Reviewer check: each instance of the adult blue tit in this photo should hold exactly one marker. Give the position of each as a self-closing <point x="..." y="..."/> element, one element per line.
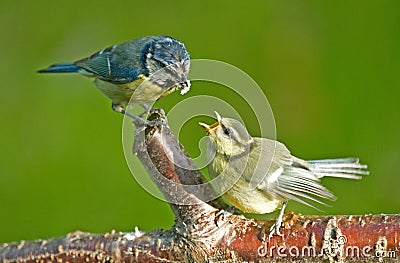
<point x="138" y="71"/>
<point x="260" y="175"/>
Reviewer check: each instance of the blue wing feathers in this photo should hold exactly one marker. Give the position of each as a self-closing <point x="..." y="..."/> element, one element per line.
<point x="68" y="67"/>
<point x="114" y="64"/>
<point x="117" y="64"/>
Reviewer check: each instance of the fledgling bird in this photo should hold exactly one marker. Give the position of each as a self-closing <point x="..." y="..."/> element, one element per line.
<point x="138" y="71"/>
<point x="260" y="175"/>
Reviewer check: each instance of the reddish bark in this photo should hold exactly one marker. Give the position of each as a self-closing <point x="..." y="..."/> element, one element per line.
<point x="205" y="233"/>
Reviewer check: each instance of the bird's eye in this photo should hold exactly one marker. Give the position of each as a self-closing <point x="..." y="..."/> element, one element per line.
<point x="226" y="131"/>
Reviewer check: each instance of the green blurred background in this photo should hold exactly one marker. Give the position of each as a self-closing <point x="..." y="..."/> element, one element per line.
<point x="330" y="70"/>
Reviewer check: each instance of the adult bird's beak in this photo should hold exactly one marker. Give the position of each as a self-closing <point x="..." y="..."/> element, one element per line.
<point x="185" y="86"/>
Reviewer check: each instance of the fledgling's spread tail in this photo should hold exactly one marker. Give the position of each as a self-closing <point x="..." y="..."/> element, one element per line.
<point x="344" y="168"/>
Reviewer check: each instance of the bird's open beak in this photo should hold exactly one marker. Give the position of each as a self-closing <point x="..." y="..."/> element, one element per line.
<point x="212" y="127"/>
<point x="219" y="118"/>
<point x="209" y="128"/>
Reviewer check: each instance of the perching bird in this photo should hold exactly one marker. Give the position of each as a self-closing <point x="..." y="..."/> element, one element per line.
<point x="138" y="71"/>
<point x="260" y="175"/>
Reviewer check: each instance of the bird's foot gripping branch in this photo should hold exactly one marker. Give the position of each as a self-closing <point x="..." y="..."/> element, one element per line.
<point x="205" y="232"/>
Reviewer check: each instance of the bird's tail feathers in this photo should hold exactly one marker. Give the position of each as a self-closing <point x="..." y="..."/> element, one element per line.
<point x="304" y="186"/>
<point x="68" y="67"/>
<point x="344" y="168"/>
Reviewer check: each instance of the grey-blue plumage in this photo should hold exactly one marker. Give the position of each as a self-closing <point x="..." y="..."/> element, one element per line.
<point x="138" y="71"/>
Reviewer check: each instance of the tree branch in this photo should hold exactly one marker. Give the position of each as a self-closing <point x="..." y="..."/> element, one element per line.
<point x="204" y="232"/>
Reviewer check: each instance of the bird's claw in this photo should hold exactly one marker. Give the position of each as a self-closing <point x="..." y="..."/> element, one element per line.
<point x="157" y="110"/>
<point x="274" y="230"/>
<point x="138" y="120"/>
<point x="142" y="123"/>
<point x="150" y="110"/>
